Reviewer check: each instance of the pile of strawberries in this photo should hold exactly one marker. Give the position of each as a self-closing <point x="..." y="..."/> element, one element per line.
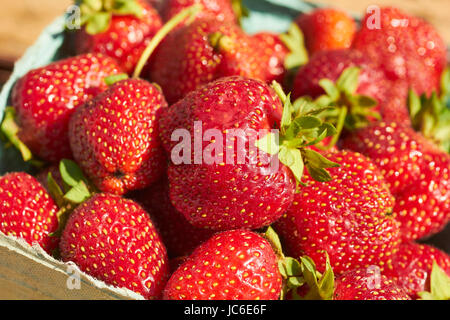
<point x="362" y="154"/>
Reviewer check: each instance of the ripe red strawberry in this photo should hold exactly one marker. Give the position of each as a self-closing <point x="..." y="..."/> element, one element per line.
<point x="274" y="51"/>
<point x="115" y="137"/>
<point x="327" y="29"/>
<point x="179" y="236"/>
<point x="27" y="211"/>
<point x="45" y="98"/>
<point x="114" y="240"/>
<point x="371" y="82"/>
<point x="417" y="173"/>
<point x="412" y="265"/>
<point x="233" y="265"/>
<point x="225" y="195"/>
<point x="198" y="53"/>
<point x="347" y="217"/>
<point x="406" y="48"/>
<point x="221" y="10"/>
<point x="130" y="25"/>
<point x="367" y="284"/>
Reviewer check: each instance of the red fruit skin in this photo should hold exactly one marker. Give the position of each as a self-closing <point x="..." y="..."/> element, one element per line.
<point x="372" y="82"/>
<point x="273" y="52"/>
<point x="27" y="211"/>
<point x="412" y="265"/>
<point x="179" y="236"/>
<point x="233" y="265"/>
<point x="45" y="98"/>
<point x="114" y="240"/>
<point x="223" y="195"/>
<point x="366" y="284"/>
<point x="221" y="10"/>
<point x="327" y="29"/>
<point x="125" y="39"/>
<point x="115" y="137"/>
<point x="406" y="48"/>
<point x="186" y="60"/>
<point x="416" y="171"/>
<point x="346" y="217"/>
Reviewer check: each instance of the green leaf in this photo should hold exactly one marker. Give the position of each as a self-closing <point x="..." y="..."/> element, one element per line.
<point x="348" y="80"/>
<point x="292" y="158"/>
<point x="439" y="285"/>
<point x="78" y="194"/>
<point x="239" y="9"/>
<point x="321" y="287"/>
<point x="274" y="240"/>
<point x="115" y="78"/>
<point x="294" y="41"/>
<point x="269" y="143"/>
<point x="10" y="130"/>
<point x="363" y="101"/>
<point x="71" y="173"/>
<point x="315" y="159"/>
<point x="55" y="191"/>
<point x="330" y="88"/>
<point x="286" y="117"/>
<point x="98" y="23"/>
<point x="128" y="7"/>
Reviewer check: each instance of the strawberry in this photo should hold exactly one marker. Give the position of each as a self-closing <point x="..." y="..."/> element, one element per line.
<point x="233" y="265"/>
<point x="45" y="98"/>
<point x="405" y="48"/>
<point x="412" y="266"/>
<point x="345" y="91"/>
<point x="120" y="29"/>
<point x="416" y="171"/>
<point x="281" y="54"/>
<point x="367" y="284"/>
<point x="274" y="51"/>
<point x="115" y="137"/>
<point x="348" y="217"/>
<point x="201" y="52"/>
<point x="221" y="10"/>
<point x="326" y="29"/>
<point x="179" y="236"/>
<point x="27" y="211"/>
<point x="114" y="240"/>
<point x="243" y="189"/>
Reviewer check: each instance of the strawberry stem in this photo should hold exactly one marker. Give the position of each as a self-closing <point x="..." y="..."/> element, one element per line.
<point x="189" y="13"/>
<point x="339" y="127"/>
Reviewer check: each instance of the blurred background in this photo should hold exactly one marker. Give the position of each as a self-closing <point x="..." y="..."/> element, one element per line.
<point x="21" y="21"/>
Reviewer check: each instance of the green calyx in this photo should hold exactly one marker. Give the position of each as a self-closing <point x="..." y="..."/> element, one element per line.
<point x="300" y="128"/>
<point x="294" y="41"/>
<point x="9" y="130"/>
<point x="75" y="190"/>
<point x="96" y="15"/>
<point x="350" y="109"/>
<point x="220" y="42"/>
<point x="239" y="10"/>
<point x="188" y="14"/>
<point x="298" y="273"/>
<point x="431" y="115"/>
<point x="439" y="285"/>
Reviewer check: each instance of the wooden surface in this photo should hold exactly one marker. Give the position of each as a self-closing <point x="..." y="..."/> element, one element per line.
<point x="21" y="21"/>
